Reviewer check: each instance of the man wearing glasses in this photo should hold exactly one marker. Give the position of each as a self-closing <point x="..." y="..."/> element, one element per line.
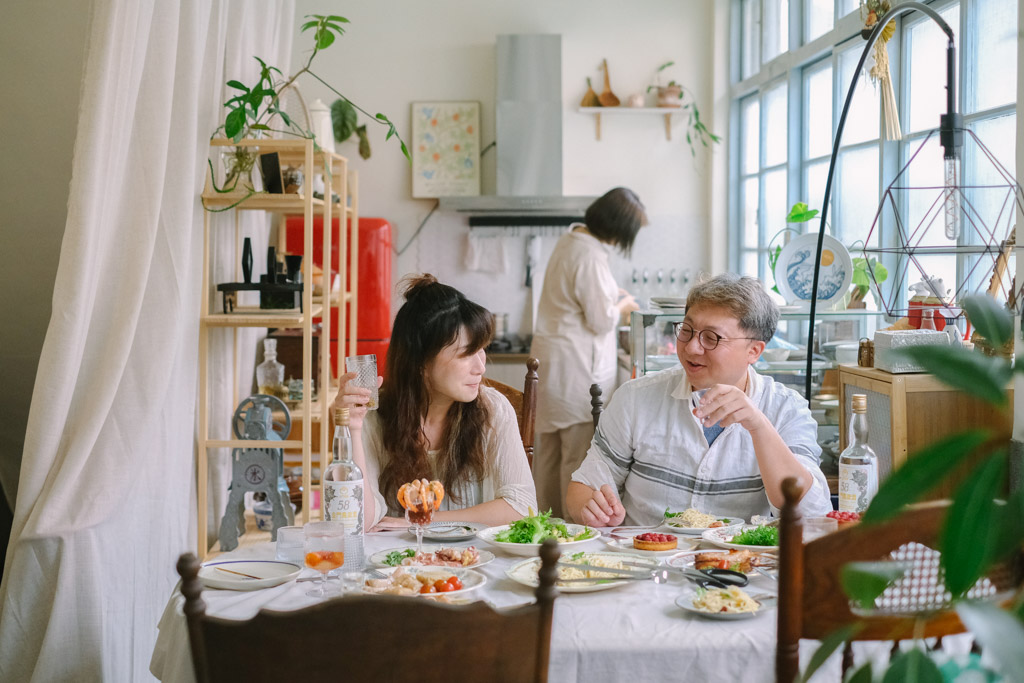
<point x="713" y="434"/>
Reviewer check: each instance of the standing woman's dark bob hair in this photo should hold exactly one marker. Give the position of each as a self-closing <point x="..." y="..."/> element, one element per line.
<point x="616" y="218"/>
<point x="431" y="318"/>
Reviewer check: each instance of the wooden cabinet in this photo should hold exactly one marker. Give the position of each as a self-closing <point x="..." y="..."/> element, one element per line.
<point x="907" y="412"/>
<point x="341" y="183"/>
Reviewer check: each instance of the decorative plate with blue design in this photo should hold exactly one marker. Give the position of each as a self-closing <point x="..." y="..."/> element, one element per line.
<point x="794" y="271"/>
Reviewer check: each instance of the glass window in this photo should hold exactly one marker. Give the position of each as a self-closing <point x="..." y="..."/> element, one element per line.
<point x="751" y="135"/>
<point x="865" y="111"/>
<point x="775" y="33"/>
<point x="926" y="45"/>
<point x="818" y="95"/>
<point x="751" y="46"/>
<point x="751" y="238"/>
<point x="775" y="125"/>
<point x="857" y="190"/>
<point x="775" y="207"/>
<point x="993" y="70"/>
<point x="815" y="175"/>
<point x="818" y="15"/>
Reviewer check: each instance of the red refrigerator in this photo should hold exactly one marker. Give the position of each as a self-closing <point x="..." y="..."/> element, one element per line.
<point x="374" y="324"/>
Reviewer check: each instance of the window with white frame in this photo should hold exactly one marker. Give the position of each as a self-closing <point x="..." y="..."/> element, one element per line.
<point x="800" y="56"/>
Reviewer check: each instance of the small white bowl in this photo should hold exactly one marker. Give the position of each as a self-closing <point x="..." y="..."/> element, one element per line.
<point x="775" y="355"/>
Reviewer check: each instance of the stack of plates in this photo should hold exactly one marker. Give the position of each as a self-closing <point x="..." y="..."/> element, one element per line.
<point x="669" y="302"/>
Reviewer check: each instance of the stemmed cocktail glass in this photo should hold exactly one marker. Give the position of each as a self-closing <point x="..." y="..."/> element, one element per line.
<point x="324" y="551"/>
<point x="420" y="499"/>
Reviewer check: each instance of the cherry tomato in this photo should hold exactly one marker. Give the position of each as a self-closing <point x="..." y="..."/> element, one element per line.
<point x="455" y="583"/>
<point x="427" y="588"/>
<point x="445" y="587"/>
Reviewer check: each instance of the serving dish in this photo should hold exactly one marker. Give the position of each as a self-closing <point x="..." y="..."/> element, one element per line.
<point x="723" y="539"/>
<point x="530" y="549"/>
<point x="764" y="600"/>
<point x="525" y="572"/>
<point x="471" y="580"/>
<point x="269" y="572"/>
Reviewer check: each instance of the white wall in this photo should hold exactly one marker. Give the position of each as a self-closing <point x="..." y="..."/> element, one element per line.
<point x="398" y="52"/>
<point x="42" y="48"/>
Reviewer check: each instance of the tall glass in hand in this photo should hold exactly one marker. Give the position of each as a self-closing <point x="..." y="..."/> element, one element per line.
<point x="324" y="551"/>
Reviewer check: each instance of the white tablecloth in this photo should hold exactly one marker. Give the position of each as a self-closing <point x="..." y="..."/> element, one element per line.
<point x="633" y="631"/>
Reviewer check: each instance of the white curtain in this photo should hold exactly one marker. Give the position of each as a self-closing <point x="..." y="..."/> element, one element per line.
<point x="106" y="498"/>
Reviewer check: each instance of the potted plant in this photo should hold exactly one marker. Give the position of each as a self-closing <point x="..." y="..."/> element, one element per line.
<point x="253" y="111"/>
<point x="863" y="270"/>
<point x="673" y="95"/>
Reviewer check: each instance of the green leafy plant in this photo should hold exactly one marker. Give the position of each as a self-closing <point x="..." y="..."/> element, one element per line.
<point x="696" y="130"/>
<point x="798" y="213"/>
<point x="346" y="122"/>
<point x="863" y="269"/>
<point x="982" y="527"/>
<point x="252" y="110"/>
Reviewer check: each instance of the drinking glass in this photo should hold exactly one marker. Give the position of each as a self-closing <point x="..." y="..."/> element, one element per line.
<point x="324" y="551"/>
<point x="365" y="367"/>
<point x="290" y="541"/>
<point x="816" y="527"/>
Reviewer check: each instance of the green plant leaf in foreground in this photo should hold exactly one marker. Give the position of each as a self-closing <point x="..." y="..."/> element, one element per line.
<point x="862" y="675"/>
<point x="829" y="645"/>
<point x="999" y="633"/>
<point x="971" y="533"/>
<point x="865" y="581"/>
<point x="343" y="116"/>
<point x="922" y="472"/>
<point x="800" y="213"/>
<point x="990" y="319"/>
<point x="970" y="372"/>
<point x="913" y="666"/>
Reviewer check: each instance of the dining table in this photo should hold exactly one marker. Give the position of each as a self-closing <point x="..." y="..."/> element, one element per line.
<point x="634" y="629"/>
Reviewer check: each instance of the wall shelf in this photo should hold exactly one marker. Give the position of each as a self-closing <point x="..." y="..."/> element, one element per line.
<point x="665" y="112"/>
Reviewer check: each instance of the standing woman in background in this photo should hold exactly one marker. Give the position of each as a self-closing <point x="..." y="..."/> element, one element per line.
<point x="575" y="337"/>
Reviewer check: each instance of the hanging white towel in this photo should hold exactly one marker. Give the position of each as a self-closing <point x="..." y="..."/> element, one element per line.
<point x="486" y="254"/>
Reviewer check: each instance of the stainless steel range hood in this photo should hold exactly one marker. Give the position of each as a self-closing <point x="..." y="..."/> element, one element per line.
<point x="528" y="118"/>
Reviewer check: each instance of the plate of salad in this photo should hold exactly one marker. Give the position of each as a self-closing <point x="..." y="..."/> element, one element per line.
<point x="763" y="539"/>
<point x="524" y="536"/>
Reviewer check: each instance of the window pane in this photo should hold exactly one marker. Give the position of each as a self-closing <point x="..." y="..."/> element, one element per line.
<point x="989" y="213"/>
<point x="858" y="195"/>
<point x="926" y="47"/>
<point x="775" y="206"/>
<point x="751" y="47"/>
<point x="818" y="95"/>
<point x="750" y="201"/>
<point x="775" y="125"/>
<point x="751" y="134"/>
<point x="847" y="6"/>
<point x="815" y="175"/>
<point x="934" y="265"/>
<point x="862" y="119"/>
<point x="923" y="223"/>
<point x="775" y="34"/>
<point x="993" y="66"/>
<point x="819" y="18"/>
<point x="748" y="265"/>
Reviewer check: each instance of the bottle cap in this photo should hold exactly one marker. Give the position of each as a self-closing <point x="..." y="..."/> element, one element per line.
<point x="269" y="347"/>
<point x="341" y="416"/>
<point x="860" y="403"/>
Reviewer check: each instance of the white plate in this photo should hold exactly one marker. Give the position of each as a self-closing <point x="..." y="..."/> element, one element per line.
<point x="794" y="271"/>
<point x="531" y="549"/>
<point x="271" y="573"/>
<point x="766" y="602"/>
<point x="462" y="531"/>
<point x="471" y="580"/>
<point x="377" y="559"/>
<point x="685" y="559"/>
<point x="525" y="572"/>
<point x="722" y="538"/>
<point x="625" y="545"/>
<point x="697" y="531"/>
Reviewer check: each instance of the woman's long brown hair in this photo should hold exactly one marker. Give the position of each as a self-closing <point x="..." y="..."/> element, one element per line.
<point x="431" y="318"/>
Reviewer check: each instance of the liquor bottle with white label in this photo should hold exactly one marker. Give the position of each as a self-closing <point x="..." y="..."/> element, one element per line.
<point x="858" y="464"/>
<point x="343" y="492"/>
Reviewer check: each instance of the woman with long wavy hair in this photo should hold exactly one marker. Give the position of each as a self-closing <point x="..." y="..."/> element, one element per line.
<point x="436" y="419"/>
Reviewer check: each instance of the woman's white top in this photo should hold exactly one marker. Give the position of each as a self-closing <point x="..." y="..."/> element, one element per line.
<point x="507" y="470"/>
<point x="574" y="337"/>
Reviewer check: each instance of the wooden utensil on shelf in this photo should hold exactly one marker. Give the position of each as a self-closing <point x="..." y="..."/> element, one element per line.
<point x="607" y="98"/>
<point x="590" y="97"/>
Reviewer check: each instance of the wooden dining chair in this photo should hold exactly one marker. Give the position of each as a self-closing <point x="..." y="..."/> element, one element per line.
<point x="596" y="404"/>
<point x="812" y="603"/>
<point x="374" y="638"/>
<point x="525" y="404"/>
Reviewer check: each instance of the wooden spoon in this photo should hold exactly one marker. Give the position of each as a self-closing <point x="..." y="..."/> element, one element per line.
<point x="607" y="97"/>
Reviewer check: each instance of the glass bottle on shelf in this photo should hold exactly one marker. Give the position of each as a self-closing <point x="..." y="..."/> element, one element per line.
<point x="343" y="492"/>
<point x="270" y="373"/>
<point x="927" y="319"/>
<point x="858" y="464"/>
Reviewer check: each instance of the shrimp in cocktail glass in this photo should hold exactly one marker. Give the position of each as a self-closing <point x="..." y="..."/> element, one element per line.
<point x="420" y="499"/>
<point x="324" y="551"/>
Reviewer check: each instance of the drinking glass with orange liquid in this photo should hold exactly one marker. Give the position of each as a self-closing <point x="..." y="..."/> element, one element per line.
<point x="324" y="550"/>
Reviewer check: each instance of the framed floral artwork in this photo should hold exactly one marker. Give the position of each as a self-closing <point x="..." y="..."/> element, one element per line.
<point x="445" y="149"/>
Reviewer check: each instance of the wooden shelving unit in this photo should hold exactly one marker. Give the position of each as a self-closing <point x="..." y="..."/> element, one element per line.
<point x="665" y="112"/>
<point x="340" y="181"/>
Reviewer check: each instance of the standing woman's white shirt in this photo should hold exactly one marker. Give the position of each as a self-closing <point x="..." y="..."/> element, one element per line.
<point x="575" y="340"/>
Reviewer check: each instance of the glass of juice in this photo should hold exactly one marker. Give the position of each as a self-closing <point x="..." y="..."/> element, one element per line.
<point x="324" y="551"/>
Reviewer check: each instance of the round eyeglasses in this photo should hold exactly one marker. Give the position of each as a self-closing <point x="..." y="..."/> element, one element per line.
<point x="707" y="338"/>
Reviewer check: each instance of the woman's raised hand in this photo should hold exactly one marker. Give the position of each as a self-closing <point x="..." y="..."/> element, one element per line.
<point x="354" y="398"/>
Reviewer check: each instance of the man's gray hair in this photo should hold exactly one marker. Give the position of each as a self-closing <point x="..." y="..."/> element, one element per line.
<point x="744" y="297"/>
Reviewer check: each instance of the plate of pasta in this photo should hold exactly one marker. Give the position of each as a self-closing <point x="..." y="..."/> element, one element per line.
<point x="525" y="572"/>
<point x="725" y="604"/>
